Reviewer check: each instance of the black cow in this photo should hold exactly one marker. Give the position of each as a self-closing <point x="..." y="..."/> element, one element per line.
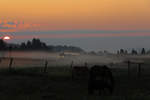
<point x="100" y="79"/>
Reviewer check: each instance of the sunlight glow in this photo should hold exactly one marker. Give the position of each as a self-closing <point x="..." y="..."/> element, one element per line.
<point x="6" y="38"/>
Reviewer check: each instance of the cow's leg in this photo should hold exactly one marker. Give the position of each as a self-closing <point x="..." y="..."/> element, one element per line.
<point x="90" y="89"/>
<point x="110" y="89"/>
<point x="100" y="91"/>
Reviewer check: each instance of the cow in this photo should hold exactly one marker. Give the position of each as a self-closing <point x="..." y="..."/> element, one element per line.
<point x="80" y="72"/>
<point x="101" y="79"/>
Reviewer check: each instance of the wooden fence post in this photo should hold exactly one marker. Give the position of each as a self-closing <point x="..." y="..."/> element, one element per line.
<point x="45" y="67"/>
<point x="10" y="64"/>
<point x="129" y="64"/>
<point x="71" y="64"/>
<point x="10" y="49"/>
<point x="139" y="70"/>
<point x="71" y="69"/>
<point x="111" y="64"/>
<point x="85" y="64"/>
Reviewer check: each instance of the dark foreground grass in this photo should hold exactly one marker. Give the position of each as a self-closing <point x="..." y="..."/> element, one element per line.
<point x="56" y="84"/>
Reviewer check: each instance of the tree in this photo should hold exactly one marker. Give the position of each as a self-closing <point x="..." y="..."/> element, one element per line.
<point x="37" y="44"/>
<point x="126" y="52"/>
<point x="29" y="45"/>
<point x="23" y="46"/>
<point x="118" y="52"/>
<point x="134" y="52"/>
<point x="121" y="51"/>
<point x="3" y="45"/>
<point x="143" y="51"/>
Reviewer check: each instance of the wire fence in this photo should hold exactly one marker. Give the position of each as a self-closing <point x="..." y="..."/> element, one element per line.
<point x="130" y="68"/>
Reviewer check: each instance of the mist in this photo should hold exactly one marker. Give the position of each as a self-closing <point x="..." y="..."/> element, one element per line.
<point x="111" y="44"/>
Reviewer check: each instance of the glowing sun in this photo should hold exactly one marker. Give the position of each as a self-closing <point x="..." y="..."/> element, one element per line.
<point x="6" y="38"/>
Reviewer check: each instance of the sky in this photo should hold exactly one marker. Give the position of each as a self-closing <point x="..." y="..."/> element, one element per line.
<point x="89" y="24"/>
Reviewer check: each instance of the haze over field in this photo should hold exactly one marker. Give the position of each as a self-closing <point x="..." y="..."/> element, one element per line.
<point x="34" y="58"/>
<point x="38" y="58"/>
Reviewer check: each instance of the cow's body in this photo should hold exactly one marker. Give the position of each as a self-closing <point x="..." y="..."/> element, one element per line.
<point x="100" y="79"/>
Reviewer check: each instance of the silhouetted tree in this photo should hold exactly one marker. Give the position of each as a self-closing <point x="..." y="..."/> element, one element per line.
<point x="37" y="44"/>
<point x="143" y="51"/>
<point x="121" y="51"/>
<point x="23" y="46"/>
<point x="3" y="45"/>
<point x="118" y="52"/>
<point x="134" y="52"/>
<point x="106" y="52"/>
<point x="126" y="52"/>
<point x="29" y="45"/>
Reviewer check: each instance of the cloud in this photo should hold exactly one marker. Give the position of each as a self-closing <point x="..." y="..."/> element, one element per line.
<point x="8" y="26"/>
<point x="81" y="34"/>
<point x="14" y="26"/>
<point x="11" y="23"/>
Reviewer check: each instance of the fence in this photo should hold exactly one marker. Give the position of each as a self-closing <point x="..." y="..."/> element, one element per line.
<point x="130" y="67"/>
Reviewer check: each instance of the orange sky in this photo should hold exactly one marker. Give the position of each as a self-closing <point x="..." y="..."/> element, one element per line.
<point x="78" y="14"/>
<point x="91" y="24"/>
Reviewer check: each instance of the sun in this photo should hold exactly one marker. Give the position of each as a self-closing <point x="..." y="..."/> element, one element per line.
<point x="6" y="38"/>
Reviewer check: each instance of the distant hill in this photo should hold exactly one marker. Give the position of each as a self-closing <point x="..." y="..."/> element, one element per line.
<point x="37" y="44"/>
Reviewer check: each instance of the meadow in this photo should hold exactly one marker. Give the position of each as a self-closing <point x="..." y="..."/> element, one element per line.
<point x="29" y="82"/>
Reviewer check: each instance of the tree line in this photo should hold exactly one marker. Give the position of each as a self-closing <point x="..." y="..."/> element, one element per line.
<point x="133" y="51"/>
<point x="37" y="44"/>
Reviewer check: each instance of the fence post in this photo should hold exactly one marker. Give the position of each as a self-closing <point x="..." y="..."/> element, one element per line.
<point x="85" y="64"/>
<point x="10" y="49"/>
<point x="111" y="64"/>
<point x="45" y="67"/>
<point x="71" y="64"/>
<point x="129" y="64"/>
<point x="71" y="71"/>
<point x="10" y="64"/>
<point x="139" y="70"/>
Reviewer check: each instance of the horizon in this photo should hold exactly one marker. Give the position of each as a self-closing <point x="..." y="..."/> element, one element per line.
<point x="86" y="50"/>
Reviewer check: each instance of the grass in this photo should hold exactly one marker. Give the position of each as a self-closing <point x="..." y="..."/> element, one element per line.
<point x="56" y="84"/>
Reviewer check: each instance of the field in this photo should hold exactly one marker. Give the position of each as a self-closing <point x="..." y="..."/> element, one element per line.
<point x="30" y="83"/>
